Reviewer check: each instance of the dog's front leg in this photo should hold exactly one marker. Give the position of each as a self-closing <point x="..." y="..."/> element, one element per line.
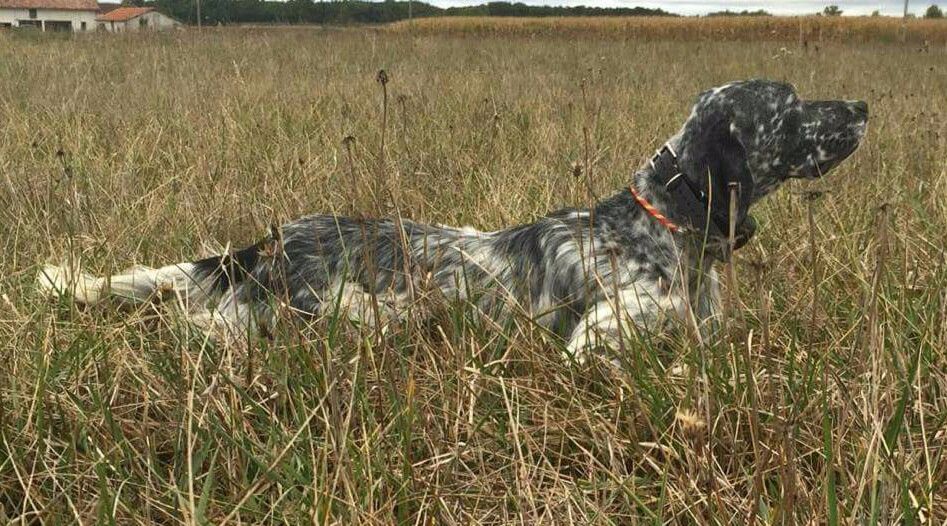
<point x="706" y="304"/>
<point x="620" y="318"/>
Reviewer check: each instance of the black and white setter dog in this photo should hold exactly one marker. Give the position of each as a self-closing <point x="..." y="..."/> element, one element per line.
<point x="635" y="260"/>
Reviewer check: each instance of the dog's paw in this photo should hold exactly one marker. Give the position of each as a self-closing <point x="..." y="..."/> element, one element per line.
<point x="588" y="344"/>
<point x="52" y="281"/>
<point x="58" y="281"/>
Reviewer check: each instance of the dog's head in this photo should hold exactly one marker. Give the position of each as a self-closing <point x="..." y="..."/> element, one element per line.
<point x="759" y="133"/>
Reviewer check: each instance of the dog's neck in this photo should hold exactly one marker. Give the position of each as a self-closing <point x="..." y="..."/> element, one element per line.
<point x="624" y="211"/>
<point x="653" y="188"/>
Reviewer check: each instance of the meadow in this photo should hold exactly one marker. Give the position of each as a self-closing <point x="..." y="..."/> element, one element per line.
<point x="801" y="30"/>
<point x="823" y="402"/>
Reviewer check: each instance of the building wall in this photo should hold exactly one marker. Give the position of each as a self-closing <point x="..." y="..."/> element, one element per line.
<point x="75" y="18"/>
<point x="152" y="21"/>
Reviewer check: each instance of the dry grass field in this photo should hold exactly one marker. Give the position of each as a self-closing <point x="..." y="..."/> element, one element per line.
<point x="824" y="402"/>
<point x="804" y="30"/>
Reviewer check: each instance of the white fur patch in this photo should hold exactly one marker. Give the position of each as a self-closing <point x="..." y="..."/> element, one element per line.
<point x="56" y="282"/>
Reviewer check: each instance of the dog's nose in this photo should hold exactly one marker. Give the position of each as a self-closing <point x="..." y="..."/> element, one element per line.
<point x="860" y="108"/>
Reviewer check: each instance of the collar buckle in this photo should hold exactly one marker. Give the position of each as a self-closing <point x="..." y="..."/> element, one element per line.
<point x="665" y="155"/>
<point x="666" y="148"/>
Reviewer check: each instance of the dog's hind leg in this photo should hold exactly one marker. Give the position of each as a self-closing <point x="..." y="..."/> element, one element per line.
<point x="231" y="322"/>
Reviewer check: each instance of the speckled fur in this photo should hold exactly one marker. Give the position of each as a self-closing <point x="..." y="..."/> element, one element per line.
<point x="590" y="276"/>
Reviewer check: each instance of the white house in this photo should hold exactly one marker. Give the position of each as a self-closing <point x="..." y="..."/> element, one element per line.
<point x="49" y="15"/>
<point x="135" y="19"/>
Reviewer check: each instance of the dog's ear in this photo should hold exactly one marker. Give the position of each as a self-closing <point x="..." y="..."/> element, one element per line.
<point x="713" y="155"/>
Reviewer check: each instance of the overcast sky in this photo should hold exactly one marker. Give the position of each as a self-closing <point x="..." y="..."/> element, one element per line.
<point x="699" y="7"/>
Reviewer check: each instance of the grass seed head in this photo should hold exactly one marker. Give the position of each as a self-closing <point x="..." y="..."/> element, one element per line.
<point x="690" y="422"/>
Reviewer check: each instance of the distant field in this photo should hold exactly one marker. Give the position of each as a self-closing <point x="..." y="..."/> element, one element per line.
<point x="808" y="29"/>
<point x="123" y="149"/>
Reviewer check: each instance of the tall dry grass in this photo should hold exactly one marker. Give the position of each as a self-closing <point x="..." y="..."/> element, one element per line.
<point x="826" y="401"/>
<point x="814" y="30"/>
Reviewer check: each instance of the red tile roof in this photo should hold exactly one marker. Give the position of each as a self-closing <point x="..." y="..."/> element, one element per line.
<point x="66" y="5"/>
<point x="122" y="14"/>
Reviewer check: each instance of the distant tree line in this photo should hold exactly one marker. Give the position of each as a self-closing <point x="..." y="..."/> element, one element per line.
<point x="520" y="9"/>
<point x="215" y="12"/>
<point x="758" y="12"/>
<point x="343" y="12"/>
<point x="932" y="12"/>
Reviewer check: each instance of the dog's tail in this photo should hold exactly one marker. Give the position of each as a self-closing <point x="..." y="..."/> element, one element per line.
<point x="192" y="284"/>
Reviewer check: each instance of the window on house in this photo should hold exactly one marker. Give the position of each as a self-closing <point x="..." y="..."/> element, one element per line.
<point x="142" y="22"/>
<point x="82" y="26"/>
<point x="32" y="13"/>
<point x="58" y="25"/>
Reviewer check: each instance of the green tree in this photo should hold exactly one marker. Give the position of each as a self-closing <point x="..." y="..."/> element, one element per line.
<point x="933" y="12"/>
<point x="832" y="10"/>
